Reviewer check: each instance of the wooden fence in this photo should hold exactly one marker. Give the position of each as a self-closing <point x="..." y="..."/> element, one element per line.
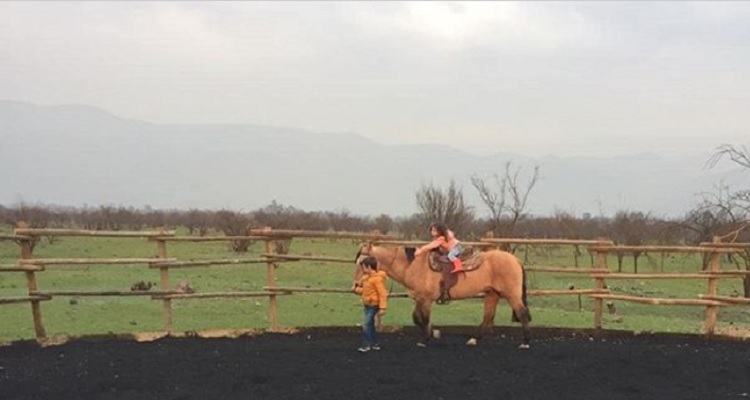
<point x="276" y="251"/>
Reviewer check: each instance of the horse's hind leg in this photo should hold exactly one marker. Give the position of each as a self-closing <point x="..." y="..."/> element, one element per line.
<point x="522" y="313"/>
<point x="488" y="319"/>
<point x="421" y="317"/>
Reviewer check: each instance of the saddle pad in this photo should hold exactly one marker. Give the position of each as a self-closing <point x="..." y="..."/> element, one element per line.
<point x="470" y="259"/>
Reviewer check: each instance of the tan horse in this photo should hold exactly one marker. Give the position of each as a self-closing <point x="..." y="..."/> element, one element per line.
<point x="500" y="275"/>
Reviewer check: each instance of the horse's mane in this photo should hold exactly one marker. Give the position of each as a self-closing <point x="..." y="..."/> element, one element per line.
<point x="408" y="250"/>
<point x="410" y="253"/>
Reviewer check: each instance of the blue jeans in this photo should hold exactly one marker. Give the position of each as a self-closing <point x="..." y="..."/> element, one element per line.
<point x="368" y="326"/>
<point x="455" y="252"/>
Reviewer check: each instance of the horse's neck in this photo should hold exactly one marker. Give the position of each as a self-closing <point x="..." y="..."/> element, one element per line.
<point x="389" y="264"/>
<point x="400" y="270"/>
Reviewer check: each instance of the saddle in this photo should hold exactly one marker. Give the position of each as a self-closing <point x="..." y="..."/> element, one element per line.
<point x="470" y="258"/>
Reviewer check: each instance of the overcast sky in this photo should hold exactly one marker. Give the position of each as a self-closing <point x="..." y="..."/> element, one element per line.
<point x="588" y="78"/>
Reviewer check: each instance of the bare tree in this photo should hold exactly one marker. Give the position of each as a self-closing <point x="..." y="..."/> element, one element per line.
<point x="35" y="216"/>
<point x="571" y="228"/>
<point x="507" y="200"/>
<point x="733" y="207"/>
<point x="447" y="206"/>
<point x="736" y="205"/>
<point x="196" y="220"/>
<point x="410" y="227"/>
<point x="234" y="224"/>
<point x="383" y="223"/>
<point x="740" y="155"/>
<point x="631" y="228"/>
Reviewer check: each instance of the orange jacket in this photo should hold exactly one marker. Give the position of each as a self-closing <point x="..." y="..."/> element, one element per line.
<point x="373" y="290"/>
<point x="443" y="242"/>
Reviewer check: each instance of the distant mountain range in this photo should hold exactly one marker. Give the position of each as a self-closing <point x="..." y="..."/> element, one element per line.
<point x="81" y="155"/>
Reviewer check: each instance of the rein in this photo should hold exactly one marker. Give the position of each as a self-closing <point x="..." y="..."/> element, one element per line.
<point x="395" y="254"/>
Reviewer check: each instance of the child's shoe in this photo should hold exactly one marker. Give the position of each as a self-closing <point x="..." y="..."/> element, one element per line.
<point x="457" y="266"/>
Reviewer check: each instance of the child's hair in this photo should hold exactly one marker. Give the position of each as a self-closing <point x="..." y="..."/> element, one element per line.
<point x="441" y="229"/>
<point x="370" y="262"/>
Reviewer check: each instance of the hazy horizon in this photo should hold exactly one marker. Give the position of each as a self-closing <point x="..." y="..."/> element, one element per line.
<point x="85" y="155"/>
<point x="705" y="152"/>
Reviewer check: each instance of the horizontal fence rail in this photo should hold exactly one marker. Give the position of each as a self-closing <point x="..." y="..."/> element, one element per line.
<point x="661" y="276"/>
<point x="727" y="299"/>
<point x="205" y="238"/>
<point x="83" y="232"/>
<point x="21" y="268"/>
<point x="218" y="295"/>
<point x="24" y="299"/>
<point x="102" y="293"/>
<point x="662" y="249"/>
<point x="204" y="263"/>
<point x="562" y="270"/>
<point x="14" y="237"/>
<point x="416" y="243"/>
<point x="659" y="301"/>
<point x="273" y="255"/>
<point x="294" y="257"/>
<point x="87" y="261"/>
<point x="548" y="242"/>
<point x="275" y="233"/>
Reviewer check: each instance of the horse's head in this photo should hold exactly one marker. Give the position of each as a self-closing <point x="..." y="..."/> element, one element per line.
<point x="363" y="252"/>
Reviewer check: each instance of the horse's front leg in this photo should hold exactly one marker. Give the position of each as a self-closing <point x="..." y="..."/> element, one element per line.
<point x="421" y="316"/>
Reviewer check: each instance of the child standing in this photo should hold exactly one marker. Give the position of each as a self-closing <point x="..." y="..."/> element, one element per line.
<point x="445" y="239"/>
<point x="374" y="299"/>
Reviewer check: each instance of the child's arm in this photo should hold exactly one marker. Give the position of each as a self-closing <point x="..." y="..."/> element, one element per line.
<point x="357" y="288"/>
<point x="429" y="246"/>
<point x="382" y="295"/>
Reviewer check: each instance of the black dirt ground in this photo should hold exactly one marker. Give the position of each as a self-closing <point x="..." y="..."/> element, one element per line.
<point x="325" y="365"/>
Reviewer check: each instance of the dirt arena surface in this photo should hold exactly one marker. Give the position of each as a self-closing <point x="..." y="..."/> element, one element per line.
<point x="324" y="364"/>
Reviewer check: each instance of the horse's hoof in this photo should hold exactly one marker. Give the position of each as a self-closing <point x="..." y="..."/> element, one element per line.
<point x="436" y="333"/>
<point x="524" y="346"/>
<point x="420" y="344"/>
<point x="471" y="342"/>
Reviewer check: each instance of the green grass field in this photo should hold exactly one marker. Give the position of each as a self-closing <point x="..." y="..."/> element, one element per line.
<point x="95" y="315"/>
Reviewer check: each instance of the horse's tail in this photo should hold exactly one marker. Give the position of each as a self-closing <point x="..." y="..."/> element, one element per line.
<point x="523" y="296"/>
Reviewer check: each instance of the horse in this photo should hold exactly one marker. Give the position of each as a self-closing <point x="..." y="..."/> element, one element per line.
<point x="500" y="275"/>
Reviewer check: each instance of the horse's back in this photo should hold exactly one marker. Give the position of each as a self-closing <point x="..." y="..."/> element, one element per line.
<point x="505" y="266"/>
<point x="503" y="258"/>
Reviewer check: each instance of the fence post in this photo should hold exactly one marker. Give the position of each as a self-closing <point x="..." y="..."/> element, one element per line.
<point x="713" y="266"/>
<point x="273" y="322"/>
<point x="36" y="310"/>
<point x="601" y="263"/>
<point x="161" y="246"/>
<point x="491" y="235"/>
